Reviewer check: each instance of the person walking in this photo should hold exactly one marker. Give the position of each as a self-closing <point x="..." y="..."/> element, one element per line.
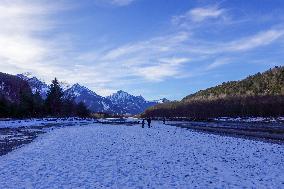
<point x="164" y="120"/>
<point x="149" y="122"/>
<point x="143" y="123"/>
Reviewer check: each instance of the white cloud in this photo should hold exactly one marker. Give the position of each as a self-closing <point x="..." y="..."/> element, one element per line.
<point x="248" y="43"/>
<point x="23" y="23"/>
<point x="116" y="3"/>
<point x="258" y="40"/>
<point x="198" y="15"/>
<point x="121" y="2"/>
<point x="217" y="63"/>
<point x="20" y="49"/>
<point x="152" y="60"/>
<point x="167" y="67"/>
<point x="156" y="45"/>
<point x="157" y="72"/>
<point x="174" y="60"/>
<point x="19" y="22"/>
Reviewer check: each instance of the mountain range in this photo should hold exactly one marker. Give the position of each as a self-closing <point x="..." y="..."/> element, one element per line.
<point x="35" y="84"/>
<point x="121" y="102"/>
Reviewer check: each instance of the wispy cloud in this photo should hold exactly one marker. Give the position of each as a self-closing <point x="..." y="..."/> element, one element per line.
<point x="19" y="21"/>
<point x="198" y="15"/>
<point x="155" y="45"/>
<point x="168" y="67"/>
<point x="258" y="40"/>
<point x="116" y="3"/>
<point x="121" y="2"/>
<point x="237" y="45"/>
<point x="152" y="60"/>
<point x="23" y="47"/>
<point x="217" y="63"/>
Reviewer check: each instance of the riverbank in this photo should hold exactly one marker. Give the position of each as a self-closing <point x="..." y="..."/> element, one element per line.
<point x="263" y="131"/>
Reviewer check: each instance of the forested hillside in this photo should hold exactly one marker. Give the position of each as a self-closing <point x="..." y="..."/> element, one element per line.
<point x="259" y="95"/>
<point x="11" y="87"/>
<point x="270" y="82"/>
<point x="17" y="100"/>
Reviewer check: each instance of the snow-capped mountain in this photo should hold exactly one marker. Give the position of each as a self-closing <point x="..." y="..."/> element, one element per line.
<point x="163" y="100"/>
<point x="35" y="84"/>
<point x="129" y="104"/>
<point x="118" y="103"/>
<point x="93" y="101"/>
<point x="64" y="85"/>
<point x="121" y="97"/>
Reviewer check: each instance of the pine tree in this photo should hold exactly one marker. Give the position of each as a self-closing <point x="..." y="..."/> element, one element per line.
<point x="82" y="110"/>
<point x="54" y="100"/>
<point x="25" y="107"/>
<point x="4" y="107"/>
<point x="69" y="106"/>
<point x="38" y="109"/>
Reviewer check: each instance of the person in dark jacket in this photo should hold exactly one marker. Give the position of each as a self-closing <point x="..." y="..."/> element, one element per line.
<point x="164" y="121"/>
<point x="143" y="123"/>
<point x="149" y="122"/>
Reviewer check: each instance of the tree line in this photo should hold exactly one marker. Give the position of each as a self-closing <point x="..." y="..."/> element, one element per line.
<point x="259" y="95"/>
<point x="264" y="106"/>
<point x="30" y="105"/>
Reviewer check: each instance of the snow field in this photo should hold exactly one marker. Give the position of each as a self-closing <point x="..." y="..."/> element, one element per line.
<point x="41" y="122"/>
<point x="105" y="156"/>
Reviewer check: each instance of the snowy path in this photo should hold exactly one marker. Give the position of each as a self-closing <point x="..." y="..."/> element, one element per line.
<point x="101" y="156"/>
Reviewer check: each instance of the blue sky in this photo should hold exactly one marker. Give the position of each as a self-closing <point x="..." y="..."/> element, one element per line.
<point x="156" y="48"/>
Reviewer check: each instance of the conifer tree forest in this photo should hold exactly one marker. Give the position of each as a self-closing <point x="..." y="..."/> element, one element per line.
<point x="20" y="102"/>
<point x="259" y="95"/>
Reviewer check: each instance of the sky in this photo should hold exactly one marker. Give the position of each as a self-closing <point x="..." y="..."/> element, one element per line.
<point x="154" y="48"/>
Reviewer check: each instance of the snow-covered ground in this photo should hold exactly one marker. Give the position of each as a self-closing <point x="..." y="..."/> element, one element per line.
<point x="105" y="156"/>
<point x="252" y="119"/>
<point x="15" y="123"/>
